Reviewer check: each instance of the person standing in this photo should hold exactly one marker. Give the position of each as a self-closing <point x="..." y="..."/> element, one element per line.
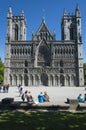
<point x="0" y="87"/>
<point x="20" y="91"/>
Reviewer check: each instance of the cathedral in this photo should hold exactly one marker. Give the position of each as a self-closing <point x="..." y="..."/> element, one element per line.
<point x="43" y="60"/>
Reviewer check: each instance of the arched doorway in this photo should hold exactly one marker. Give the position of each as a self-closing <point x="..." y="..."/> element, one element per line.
<point x="51" y="80"/>
<point x="61" y="80"/>
<point x="73" y="80"/>
<point x="20" y="79"/>
<point x="10" y="80"/>
<point x="56" y="80"/>
<point x="36" y="80"/>
<point x="44" y="79"/>
<point x="67" y="80"/>
<point x="25" y="80"/>
<point x="31" y="80"/>
<point x="15" y="80"/>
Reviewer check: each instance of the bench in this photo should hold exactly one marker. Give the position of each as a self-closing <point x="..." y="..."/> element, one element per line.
<point x="73" y="103"/>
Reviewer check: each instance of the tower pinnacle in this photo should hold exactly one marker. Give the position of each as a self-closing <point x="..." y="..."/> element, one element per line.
<point x="9" y="12"/>
<point x="64" y="12"/>
<point x="43" y="19"/>
<point x="77" y="11"/>
<point x="22" y="14"/>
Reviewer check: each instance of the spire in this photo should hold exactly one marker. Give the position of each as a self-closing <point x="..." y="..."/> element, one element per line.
<point x="54" y="34"/>
<point x="32" y="34"/>
<point x="77" y="11"/>
<point x="43" y="20"/>
<point x="9" y="12"/>
<point x="64" y="12"/>
<point x="77" y="7"/>
<point x="22" y="14"/>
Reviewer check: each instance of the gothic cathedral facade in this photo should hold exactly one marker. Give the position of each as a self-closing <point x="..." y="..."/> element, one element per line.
<point x="44" y="60"/>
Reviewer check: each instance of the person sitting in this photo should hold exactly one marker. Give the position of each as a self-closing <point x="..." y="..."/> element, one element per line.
<point x="29" y="97"/>
<point x="46" y="97"/>
<point x="41" y="97"/>
<point x="80" y="98"/>
<point x="85" y="97"/>
<point x="24" y="95"/>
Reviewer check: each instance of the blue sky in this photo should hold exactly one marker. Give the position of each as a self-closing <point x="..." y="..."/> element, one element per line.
<point x="35" y="10"/>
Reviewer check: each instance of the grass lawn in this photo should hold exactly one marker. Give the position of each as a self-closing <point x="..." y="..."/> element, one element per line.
<point x="42" y="121"/>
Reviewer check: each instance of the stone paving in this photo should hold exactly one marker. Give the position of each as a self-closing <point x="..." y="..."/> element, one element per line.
<point x="58" y="95"/>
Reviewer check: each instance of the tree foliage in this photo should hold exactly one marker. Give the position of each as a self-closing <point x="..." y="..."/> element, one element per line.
<point x="1" y="71"/>
<point x="84" y="73"/>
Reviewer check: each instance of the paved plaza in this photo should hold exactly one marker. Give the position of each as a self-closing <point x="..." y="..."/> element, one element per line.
<point x="58" y="95"/>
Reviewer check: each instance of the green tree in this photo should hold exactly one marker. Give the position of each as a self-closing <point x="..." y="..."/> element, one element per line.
<point x="1" y="71"/>
<point x="84" y="73"/>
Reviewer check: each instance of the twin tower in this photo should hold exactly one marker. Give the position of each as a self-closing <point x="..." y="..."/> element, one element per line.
<point x="70" y="26"/>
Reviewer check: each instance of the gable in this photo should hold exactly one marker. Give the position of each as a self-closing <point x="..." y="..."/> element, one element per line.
<point x="44" y="32"/>
<point x="43" y="28"/>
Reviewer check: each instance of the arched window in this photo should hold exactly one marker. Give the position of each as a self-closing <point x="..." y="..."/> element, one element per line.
<point x="12" y="51"/>
<point x="61" y="71"/>
<point x="63" y="51"/>
<point x="71" y="33"/>
<point x="24" y="31"/>
<point x="72" y="51"/>
<point x="78" y="22"/>
<point x="28" y="50"/>
<point x="25" y="71"/>
<point x="61" y="63"/>
<point x="55" y="50"/>
<point x="17" y="51"/>
<point x="16" y="32"/>
<point x="69" y="51"/>
<point x="41" y="35"/>
<point x="23" y="50"/>
<point x="26" y="63"/>
<point x="66" y="50"/>
<point x="58" y="51"/>
<point x="46" y="36"/>
<point x="20" y="51"/>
